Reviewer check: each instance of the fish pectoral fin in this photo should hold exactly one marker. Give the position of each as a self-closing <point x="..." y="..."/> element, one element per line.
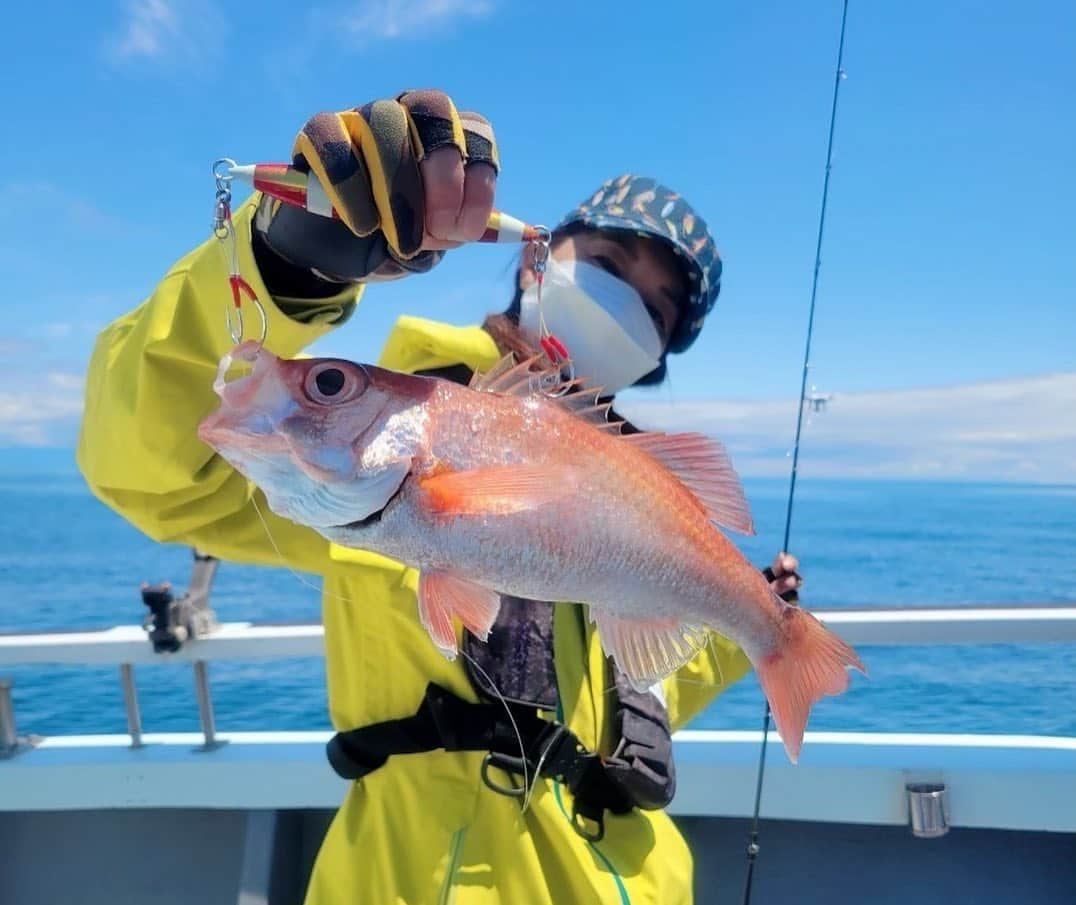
<point x="647" y="650"/>
<point x="702" y="465"/>
<point x="440" y="594"/>
<point x="496" y="490"/>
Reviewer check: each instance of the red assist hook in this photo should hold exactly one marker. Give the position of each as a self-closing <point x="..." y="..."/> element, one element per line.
<point x="553" y="348"/>
<point x="224" y="230"/>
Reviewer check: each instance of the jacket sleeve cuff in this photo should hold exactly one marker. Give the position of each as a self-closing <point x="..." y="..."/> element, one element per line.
<point x="292" y="323"/>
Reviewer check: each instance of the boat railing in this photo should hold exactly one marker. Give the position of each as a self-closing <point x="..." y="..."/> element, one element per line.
<point x="1011" y="782"/>
<point x="127" y="646"/>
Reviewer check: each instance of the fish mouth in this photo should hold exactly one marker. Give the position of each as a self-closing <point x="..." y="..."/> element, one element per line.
<point x="238" y="391"/>
<point x="225" y="428"/>
<point x="240" y="420"/>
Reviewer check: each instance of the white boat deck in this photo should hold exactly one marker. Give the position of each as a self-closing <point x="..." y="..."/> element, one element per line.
<point x="1010" y="782"/>
<point x="999" y="782"/>
<point x="134" y="813"/>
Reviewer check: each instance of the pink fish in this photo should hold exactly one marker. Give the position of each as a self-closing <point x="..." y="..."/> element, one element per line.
<point x="499" y="488"/>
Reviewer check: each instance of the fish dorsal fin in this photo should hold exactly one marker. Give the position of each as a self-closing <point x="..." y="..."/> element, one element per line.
<point x="702" y="465"/>
<point x="584" y="403"/>
<point x="483" y="380"/>
<point x="509" y="377"/>
<point x="536" y="376"/>
<point x="647" y="650"/>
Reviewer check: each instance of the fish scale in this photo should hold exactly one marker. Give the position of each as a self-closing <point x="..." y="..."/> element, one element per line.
<point x="567" y="549"/>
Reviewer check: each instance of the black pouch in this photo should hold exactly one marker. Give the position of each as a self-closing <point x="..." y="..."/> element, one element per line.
<point x="518" y="659"/>
<point x="641" y="765"/>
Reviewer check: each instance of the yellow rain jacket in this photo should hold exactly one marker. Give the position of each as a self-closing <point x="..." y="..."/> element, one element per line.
<point x="423" y="828"/>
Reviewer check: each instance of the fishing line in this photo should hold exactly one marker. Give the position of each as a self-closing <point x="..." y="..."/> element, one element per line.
<point x="284" y="563"/>
<point x="512" y="720"/>
<point x="679" y="680"/>
<point x="752" y="840"/>
<point x="527" y="782"/>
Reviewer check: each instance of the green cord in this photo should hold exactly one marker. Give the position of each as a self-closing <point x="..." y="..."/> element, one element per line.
<point x="620" y="888"/>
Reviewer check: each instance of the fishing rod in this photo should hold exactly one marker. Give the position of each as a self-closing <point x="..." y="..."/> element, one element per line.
<point x="752" y="840"/>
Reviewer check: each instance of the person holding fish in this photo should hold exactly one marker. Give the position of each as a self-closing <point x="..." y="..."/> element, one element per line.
<point x="506" y="750"/>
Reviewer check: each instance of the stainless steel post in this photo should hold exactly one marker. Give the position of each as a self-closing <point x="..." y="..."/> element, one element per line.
<point x="130" y="700"/>
<point x="205" y="703"/>
<point x="9" y="740"/>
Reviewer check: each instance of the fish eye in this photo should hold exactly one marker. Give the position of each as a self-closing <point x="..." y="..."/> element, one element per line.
<point x="332" y="383"/>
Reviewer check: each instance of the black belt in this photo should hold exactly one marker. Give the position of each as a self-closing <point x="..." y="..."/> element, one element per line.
<point x="444" y="720"/>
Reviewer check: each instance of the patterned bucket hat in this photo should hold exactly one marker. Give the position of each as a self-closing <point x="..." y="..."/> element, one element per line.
<point x="648" y="208"/>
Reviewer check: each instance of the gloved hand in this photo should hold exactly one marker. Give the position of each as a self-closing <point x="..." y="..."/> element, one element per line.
<point x="410" y="177"/>
<point x="783" y="577"/>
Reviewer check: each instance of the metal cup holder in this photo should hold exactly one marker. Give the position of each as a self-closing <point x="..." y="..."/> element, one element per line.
<point x="928" y="809"/>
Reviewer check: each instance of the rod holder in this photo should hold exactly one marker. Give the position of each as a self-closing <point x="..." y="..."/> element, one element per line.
<point x="928" y="809"/>
<point x="9" y="739"/>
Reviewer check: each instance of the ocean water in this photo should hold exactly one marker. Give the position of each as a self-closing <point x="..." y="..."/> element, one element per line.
<point x="66" y="561"/>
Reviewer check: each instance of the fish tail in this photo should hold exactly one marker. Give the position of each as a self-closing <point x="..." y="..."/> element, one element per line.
<point x="808" y="662"/>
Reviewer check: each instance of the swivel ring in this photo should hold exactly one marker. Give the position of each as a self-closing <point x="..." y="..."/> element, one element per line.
<point x="226" y="175"/>
<point x="542" y="241"/>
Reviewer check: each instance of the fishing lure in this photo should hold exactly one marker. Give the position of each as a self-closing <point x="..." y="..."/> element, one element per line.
<point x="292" y="186"/>
<point x="224" y="230"/>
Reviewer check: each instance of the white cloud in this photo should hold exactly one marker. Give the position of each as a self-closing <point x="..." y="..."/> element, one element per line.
<point x="41" y="413"/>
<point x="167" y="32"/>
<point x="147" y="29"/>
<point x="57" y="329"/>
<point x="1019" y="429"/>
<point x="385" y="19"/>
<point x="65" y="381"/>
<point x="9" y="348"/>
<point x="53" y="202"/>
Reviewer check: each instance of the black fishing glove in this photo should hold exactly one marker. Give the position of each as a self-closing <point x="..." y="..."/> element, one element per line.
<point x="409" y="178"/>
<point x="783" y="577"/>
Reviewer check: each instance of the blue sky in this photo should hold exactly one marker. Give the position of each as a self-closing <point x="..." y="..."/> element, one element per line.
<point x="950" y="254"/>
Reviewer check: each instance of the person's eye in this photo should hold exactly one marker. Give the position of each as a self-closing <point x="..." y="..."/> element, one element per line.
<point x="607" y="264"/>
<point x="657" y="317"/>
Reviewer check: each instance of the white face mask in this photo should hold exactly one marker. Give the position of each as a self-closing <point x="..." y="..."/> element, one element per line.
<point x="601" y="320"/>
